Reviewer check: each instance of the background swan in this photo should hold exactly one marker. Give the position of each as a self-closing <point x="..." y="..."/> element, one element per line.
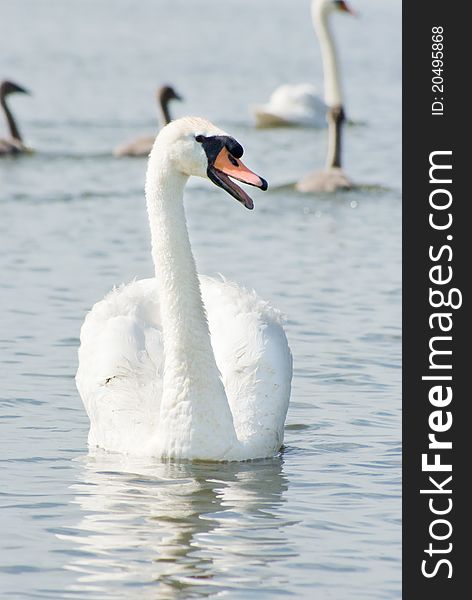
<point x="142" y="146"/>
<point x="331" y="178"/>
<point x="181" y="366"/>
<point x="292" y="104"/>
<point x="13" y="144"/>
<point x="301" y="104"/>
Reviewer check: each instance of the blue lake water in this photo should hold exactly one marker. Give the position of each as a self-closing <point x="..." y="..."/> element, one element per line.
<point x="323" y="519"/>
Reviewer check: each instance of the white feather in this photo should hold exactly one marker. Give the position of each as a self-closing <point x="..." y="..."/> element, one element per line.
<point x="297" y="104"/>
<point x="121" y="363"/>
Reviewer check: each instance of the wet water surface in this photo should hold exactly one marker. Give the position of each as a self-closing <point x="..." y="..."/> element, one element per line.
<point x="322" y="519"/>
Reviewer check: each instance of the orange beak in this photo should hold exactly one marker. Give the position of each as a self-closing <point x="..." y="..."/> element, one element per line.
<point x="344" y="7"/>
<point x="226" y="166"/>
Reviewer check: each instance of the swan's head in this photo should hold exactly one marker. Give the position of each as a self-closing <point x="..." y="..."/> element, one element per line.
<point x="166" y="93"/>
<point x="8" y="87"/>
<point x="326" y="7"/>
<point x="196" y="147"/>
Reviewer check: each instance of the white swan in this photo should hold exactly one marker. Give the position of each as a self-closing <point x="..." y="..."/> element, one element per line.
<point x="181" y="366"/>
<point x="301" y="104"/>
<point x="142" y="146"/>
<point x="332" y="177"/>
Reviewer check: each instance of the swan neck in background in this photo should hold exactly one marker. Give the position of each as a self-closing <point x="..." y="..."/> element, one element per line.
<point x="193" y="402"/>
<point x="336" y="118"/>
<point x="14" y="131"/>
<point x="164" y="104"/>
<point x="332" y="80"/>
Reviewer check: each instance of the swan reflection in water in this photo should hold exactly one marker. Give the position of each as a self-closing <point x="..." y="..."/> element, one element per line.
<point x="178" y="529"/>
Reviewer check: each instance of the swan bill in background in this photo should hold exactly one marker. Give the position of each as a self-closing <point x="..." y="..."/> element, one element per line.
<point x="224" y="153"/>
<point x="344" y="7"/>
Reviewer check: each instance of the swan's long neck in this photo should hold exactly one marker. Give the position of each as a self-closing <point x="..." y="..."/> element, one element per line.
<point x="336" y="119"/>
<point x="332" y="87"/>
<point x="194" y="406"/>
<point x="332" y="79"/>
<point x="14" y="131"/>
<point x="164" y="104"/>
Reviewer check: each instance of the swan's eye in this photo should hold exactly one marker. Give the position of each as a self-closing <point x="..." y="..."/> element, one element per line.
<point x="200" y="138"/>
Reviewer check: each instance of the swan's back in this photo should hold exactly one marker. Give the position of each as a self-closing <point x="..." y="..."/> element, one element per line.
<point x="11" y="147"/>
<point x="298" y="104"/>
<point x="141" y="146"/>
<point x="121" y="362"/>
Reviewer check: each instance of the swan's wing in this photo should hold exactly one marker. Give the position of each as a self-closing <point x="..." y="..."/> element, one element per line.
<point x="120" y="367"/>
<point x="254" y="359"/>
